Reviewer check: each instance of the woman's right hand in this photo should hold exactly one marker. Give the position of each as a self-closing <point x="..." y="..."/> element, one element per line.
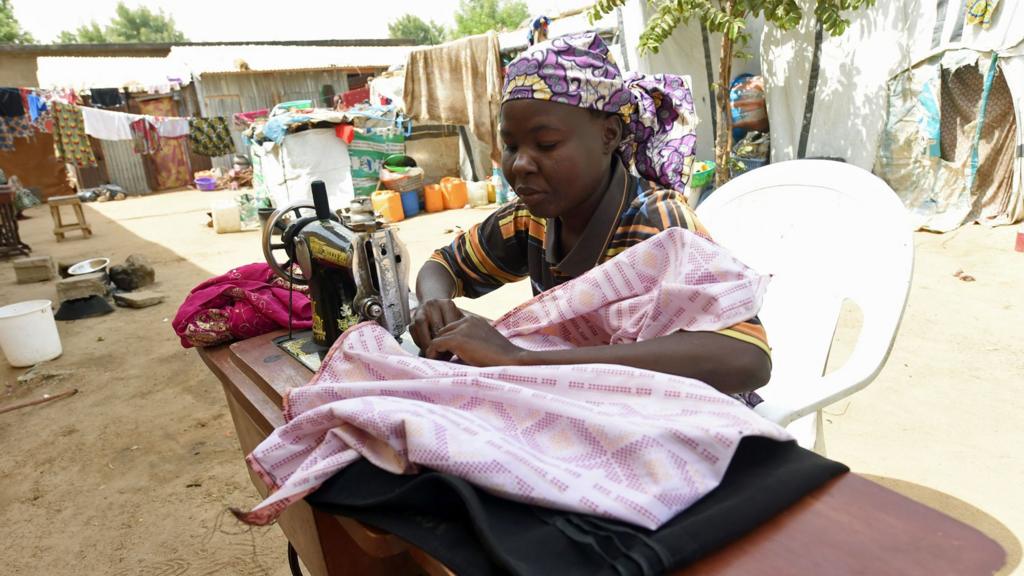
<point x="430" y="318"/>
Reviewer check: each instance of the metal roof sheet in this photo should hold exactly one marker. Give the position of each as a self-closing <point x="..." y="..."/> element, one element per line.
<point x="115" y="72"/>
<point x="258" y="58"/>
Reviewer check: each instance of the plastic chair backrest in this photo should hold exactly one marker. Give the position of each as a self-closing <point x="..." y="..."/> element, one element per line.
<point x="827" y="232"/>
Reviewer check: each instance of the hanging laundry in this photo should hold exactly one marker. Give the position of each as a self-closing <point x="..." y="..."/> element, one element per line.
<point x="70" y="141"/>
<point x="6" y="137"/>
<point x="20" y="127"/>
<point x="107" y="98"/>
<point x="145" y="136"/>
<point x="245" y="119"/>
<point x="36" y="106"/>
<point x="107" y="124"/>
<point x="979" y="12"/>
<point x="210" y="136"/>
<point x="11" y="103"/>
<point x="170" y="127"/>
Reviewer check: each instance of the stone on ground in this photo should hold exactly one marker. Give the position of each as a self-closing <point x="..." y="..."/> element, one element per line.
<point x="140" y="299"/>
<point x="135" y="273"/>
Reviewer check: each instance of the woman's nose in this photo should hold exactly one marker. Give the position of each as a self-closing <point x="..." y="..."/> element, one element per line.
<point x="523" y="164"/>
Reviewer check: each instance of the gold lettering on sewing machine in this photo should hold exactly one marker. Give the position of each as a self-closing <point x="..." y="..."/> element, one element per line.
<point x="324" y="252"/>
<point x="318" y="322"/>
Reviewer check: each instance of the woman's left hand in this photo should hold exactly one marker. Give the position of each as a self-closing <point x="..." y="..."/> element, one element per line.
<point x="475" y="342"/>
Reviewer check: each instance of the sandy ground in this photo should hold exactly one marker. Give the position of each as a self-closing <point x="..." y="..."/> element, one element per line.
<point x="133" y="474"/>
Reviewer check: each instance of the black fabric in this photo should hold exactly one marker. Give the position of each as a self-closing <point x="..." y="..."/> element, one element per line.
<point x="473" y="532"/>
<point x="10" y="103"/>
<point x="106" y="97"/>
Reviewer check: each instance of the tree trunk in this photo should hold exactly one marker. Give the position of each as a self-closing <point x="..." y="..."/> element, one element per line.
<point x="723" y="139"/>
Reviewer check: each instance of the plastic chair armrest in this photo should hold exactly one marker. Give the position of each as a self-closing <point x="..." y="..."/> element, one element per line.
<point x="815" y="395"/>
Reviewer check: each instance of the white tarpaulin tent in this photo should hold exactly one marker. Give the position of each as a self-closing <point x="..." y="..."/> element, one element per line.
<point x="868" y="82"/>
<point x="847" y="115"/>
<point x="289" y="169"/>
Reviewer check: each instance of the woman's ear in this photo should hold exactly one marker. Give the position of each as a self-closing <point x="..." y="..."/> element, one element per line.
<point x="612" y="134"/>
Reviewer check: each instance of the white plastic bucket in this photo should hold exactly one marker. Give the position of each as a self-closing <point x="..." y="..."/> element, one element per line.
<point x="28" y="333"/>
<point x="227" y="216"/>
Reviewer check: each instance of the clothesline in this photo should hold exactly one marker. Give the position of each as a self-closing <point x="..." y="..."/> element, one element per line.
<point x="61" y="113"/>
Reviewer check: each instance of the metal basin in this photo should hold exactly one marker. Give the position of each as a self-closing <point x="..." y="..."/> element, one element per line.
<point x="89" y="266"/>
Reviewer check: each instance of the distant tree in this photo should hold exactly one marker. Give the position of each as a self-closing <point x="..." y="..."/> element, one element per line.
<point x="11" y="31"/>
<point x="479" y="16"/>
<point x="412" y="27"/>
<point x="128" y="25"/>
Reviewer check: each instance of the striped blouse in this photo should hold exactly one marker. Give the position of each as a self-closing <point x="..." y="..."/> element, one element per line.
<point x="513" y="244"/>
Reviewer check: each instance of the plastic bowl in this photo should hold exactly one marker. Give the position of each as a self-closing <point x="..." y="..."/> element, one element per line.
<point x="206" y="184"/>
<point x="702" y="177"/>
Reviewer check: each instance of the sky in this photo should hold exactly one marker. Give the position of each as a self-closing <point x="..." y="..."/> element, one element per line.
<point x="225" y="20"/>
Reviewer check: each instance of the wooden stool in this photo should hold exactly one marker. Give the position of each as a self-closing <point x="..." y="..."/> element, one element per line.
<point x="59" y="227"/>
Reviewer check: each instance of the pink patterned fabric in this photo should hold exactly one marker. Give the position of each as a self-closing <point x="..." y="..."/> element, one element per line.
<point x="247" y="301"/>
<point x="607" y="440"/>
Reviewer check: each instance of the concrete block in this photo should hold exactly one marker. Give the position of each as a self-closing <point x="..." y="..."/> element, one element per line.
<point x="83" y="286"/>
<point x="33" y="269"/>
<point x="140" y="299"/>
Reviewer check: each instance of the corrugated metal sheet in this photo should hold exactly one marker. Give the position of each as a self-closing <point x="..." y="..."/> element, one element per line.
<point x="124" y="166"/>
<point x="221" y="59"/>
<point x="87" y="72"/>
<point x="227" y="94"/>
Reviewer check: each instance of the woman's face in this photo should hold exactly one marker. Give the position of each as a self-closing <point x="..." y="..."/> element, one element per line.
<point x="555" y="156"/>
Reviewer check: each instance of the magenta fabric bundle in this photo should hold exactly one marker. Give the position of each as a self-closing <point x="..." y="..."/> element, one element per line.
<point x="246" y="302"/>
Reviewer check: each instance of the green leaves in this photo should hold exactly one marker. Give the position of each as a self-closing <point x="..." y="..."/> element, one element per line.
<point x="729" y="17"/>
<point x="411" y="27"/>
<point x="602" y="8"/>
<point x="829" y="13"/>
<point x="479" y="16"/>
<point x="11" y="31"/>
<point x="128" y="25"/>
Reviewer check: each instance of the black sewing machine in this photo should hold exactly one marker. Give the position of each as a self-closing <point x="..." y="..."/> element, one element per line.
<point x="352" y="264"/>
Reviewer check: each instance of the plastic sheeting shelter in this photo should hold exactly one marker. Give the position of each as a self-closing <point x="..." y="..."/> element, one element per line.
<point x="288" y="170"/>
<point x="901" y="92"/>
<point x="851" y="100"/>
<point x="951" y="139"/>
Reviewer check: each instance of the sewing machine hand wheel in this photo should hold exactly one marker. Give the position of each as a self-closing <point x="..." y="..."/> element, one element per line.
<point x="278" y="237"/>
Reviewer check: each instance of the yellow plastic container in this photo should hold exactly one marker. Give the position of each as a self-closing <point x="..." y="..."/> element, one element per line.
<point x="454" y="192"/>
<point x="388" y="204"/>
<point x="492" y="193"/>
<point x="433" y="198"/>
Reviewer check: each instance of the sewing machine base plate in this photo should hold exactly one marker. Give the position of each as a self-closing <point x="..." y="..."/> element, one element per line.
<point x="300" y="345"/>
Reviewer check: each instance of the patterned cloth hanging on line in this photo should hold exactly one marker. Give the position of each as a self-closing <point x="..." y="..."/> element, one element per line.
<point x="70" y="141"/>
<point x="979" y="12"/>
<point x="6" y="136"/>
<point x="145" y="137"/>
<point x="210" y="136"/>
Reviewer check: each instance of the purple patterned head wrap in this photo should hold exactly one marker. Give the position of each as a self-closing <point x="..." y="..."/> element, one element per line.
<point x="657" y="110"/>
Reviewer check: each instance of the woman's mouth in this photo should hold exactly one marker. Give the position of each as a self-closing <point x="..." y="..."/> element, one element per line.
<point x="527" y="192"/>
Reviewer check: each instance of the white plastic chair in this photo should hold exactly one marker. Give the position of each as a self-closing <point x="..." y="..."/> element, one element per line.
<point x="827" y="232"/>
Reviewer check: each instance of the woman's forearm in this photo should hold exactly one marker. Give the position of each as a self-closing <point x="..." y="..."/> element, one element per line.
<point x="729" y="365"/>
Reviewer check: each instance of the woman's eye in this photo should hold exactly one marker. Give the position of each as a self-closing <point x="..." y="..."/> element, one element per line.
<point x="510" y="148"/>
<point x="547" y="145"/>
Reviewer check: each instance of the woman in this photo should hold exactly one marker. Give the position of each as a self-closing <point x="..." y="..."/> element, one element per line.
<point x="569" y="121"/>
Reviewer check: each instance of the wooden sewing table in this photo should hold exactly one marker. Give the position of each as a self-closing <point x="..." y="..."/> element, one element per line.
<point x="849" y="526"/>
